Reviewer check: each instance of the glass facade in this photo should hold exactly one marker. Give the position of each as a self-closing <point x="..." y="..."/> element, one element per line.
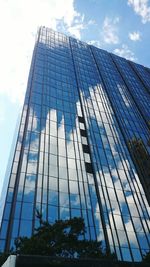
<point x="84" y="111"/>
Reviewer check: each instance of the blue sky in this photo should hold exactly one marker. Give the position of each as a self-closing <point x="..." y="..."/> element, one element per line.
<point x="119" y="26"/>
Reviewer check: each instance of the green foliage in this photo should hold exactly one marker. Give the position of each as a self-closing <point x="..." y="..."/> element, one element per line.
<point x="141" y="158"/>
<point x="139" y="151"/>
<point x="62" y="239"/>
<point x="147" y="258"/>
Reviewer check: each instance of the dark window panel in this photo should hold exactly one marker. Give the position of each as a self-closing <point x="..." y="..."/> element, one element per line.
<point x="88" y="167"/>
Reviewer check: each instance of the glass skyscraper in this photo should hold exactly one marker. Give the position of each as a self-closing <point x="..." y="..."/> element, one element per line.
<point x="82" y="147"/>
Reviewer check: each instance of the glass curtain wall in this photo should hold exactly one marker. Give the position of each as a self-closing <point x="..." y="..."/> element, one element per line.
<point x="72" y="156"/>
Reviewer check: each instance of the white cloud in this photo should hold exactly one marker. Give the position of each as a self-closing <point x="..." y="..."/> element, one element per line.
<point x="75" y="30"/>
<point x="95" y="43"/>
<point x="77" y="25"/>
<point x="92" y="22"/>
<point x="135" y="36"/>
<point x="110" y="30"/>
<point x="2" y="113"/>
<point x="141" y="8"/>
<point x="124" y="51"/>
<point x="19" y="20"/>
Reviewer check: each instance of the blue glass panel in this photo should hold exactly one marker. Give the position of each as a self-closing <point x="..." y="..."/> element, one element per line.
<point x="7" y="211"/>
<point x="2" y="245"/>
<point x="64" y="213"/>
<point x="27" y="210"/>
<point x="17" y="210"/>
<point x="15" y="228"/>
<point x="25" y="228"/>
<point x="3" y="232"/>
<point x="52" y="213"/>
<point x="126" y="254"/>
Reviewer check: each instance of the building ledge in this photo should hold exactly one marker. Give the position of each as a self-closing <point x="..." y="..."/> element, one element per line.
<point x="46" y="261"/>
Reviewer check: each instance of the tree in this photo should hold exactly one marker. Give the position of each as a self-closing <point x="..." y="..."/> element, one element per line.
<point x="141" y="158"/>
<point x="147" y="258"/>
<point x="62" y="239"/>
